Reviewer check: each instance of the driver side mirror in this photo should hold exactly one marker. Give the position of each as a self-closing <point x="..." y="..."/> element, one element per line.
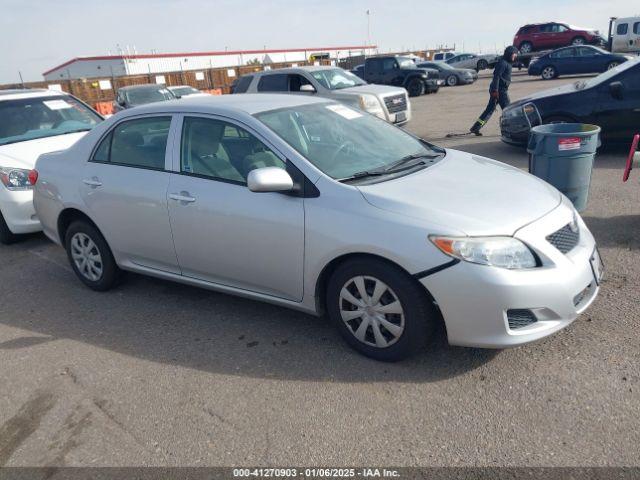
<point x="307" y="88"/>
<point x="616" y="90"/>
<point x="269" y="179"/>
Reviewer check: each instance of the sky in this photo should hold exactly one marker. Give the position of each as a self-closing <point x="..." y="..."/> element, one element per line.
<point x="36" y="35"/>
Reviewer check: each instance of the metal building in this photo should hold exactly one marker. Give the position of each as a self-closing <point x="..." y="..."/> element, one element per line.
<point x="121" y="65"/>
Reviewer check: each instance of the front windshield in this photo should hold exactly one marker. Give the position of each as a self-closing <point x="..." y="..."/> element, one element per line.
<point x="31" y="118"/>
<point x="406" y="62"/>
<point x="606" y="76"/>
<point x="140" y="96"/>
<point x="342" y="141"/>
<point x="337" y="79"/>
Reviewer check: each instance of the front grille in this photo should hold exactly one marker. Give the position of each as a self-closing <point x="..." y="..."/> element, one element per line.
<point x="564" y="239"/>
<point x="519" y="318"/>
<point x="396" y="103"/>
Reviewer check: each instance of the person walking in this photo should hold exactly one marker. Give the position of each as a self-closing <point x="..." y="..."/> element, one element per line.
<point x="498" y="90"/>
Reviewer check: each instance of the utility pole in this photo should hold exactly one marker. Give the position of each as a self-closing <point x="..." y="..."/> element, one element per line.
<point x="368" y="31"/>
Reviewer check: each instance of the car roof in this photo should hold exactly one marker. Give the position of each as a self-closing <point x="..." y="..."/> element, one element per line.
<point x="20" y="93"/>
<point x="247" y="103"/>
<point x="317" y="68"/>
<point x="142" y="86"/>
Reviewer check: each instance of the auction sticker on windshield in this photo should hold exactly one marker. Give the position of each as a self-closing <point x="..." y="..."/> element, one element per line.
<point x="345" y="112"/>
<point x="571" y="143"/>
<point x="57" y="104"/>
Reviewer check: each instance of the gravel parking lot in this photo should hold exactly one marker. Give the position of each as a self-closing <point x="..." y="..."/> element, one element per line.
<point x="156" y="373"/>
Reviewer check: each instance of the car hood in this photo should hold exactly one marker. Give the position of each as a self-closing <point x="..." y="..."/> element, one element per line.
<point x="467" y="193"/>
<point x="25" y="154"/>
<point x="370" y="88"/>
<point x="569" y="88"/>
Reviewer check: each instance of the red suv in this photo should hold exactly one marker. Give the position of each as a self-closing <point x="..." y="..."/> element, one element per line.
<point x="542" y="36"/>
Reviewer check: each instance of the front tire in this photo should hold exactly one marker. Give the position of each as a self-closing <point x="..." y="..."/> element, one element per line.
<point x="415" y="87"/>
<point x="91" y="257"/>
<point x="611" y="65"/>
<point x="380" y="310"/>
<point x="578" y="41"/>
<point x="482" y="65"/>
<point x="7" y="237"/>
<point x="452" y="80"/>
<point x="549" y="73"/>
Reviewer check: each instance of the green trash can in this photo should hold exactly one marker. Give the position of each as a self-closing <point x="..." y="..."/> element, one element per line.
<point x="562" y="154"/>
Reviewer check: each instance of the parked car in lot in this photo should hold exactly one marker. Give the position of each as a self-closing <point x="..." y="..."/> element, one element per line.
<point x="317" y="206"/>
<point x="389" y="103"/>
<point x="542" y="36"/>
<point x="610" y="100"/>
<point x="401" y="72"/>
<point x="452" y="76"/>
<point x="33" y="122"/>
<point x="473" y="61"/>
<point x="180" y="91"/>
<point x="574" y="60"/>
<point x="135" y="95"/>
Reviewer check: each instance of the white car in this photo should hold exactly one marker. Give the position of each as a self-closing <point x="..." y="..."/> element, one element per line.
<point x="33" y="122"/>
<point x="318" y="206"/>
<point x="471" y="60"/>
<point x="186" y="91"/>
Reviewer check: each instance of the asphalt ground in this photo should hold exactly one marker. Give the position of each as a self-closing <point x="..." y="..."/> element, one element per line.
<point x="155" y="373"/>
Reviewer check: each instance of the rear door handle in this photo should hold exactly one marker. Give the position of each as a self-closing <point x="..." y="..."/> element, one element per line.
<point x="92" y="182"/>
<point x="182" y="197"/>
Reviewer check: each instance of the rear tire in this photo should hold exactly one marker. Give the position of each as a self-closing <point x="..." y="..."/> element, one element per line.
<point x="452" y="80"/>
<point x="611" y="65"/>
<point x="400" y="320"/>
<point x="91" y="257"/>
<point x="7" y="237"/>
<point x="526" y="47"/>
<point x="415" y="87"/>
<point x="549" y="73"/>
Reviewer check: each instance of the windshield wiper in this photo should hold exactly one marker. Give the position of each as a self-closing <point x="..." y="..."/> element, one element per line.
<point x="404" y="160"/>
<point x="363" y="174"/>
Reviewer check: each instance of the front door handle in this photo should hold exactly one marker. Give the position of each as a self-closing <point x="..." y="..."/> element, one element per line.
<point x="92" y="182"/>
<point x="182" y="197"/>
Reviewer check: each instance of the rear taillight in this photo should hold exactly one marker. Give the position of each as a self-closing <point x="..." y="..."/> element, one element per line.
<point x="33" y="177"/>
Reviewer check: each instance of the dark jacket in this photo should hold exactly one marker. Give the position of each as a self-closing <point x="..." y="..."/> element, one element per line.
<point x="502" y="71"/>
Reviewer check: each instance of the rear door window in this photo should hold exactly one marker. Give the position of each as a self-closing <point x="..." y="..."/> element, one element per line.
<point x="636" y="28"/>
<point x="138" y="143"/>
<point x="564" y="53"/>
<point x="274" y="83"/>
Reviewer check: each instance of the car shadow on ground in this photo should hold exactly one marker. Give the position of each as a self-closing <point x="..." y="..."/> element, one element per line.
<point x="175" y="324"/>
<point x="622" y="231"/>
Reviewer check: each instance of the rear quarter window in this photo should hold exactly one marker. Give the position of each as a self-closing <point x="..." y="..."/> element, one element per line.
<point x="242" y="85"/>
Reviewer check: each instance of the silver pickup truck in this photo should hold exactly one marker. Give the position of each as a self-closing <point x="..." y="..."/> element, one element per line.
<point x="389" y="103"/>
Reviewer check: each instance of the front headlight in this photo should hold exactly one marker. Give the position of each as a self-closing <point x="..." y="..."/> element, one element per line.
<point x="370" y="103"/>
<point x="504" y="252"/>
<point x="15" y="178"/>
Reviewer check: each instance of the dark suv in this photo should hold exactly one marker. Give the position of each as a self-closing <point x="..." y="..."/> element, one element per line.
<point x="401" y="72"/>
<point x="542" y="36"/>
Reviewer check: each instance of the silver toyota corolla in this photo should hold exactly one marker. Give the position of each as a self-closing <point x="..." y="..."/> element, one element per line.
<point x="314" y="205"/>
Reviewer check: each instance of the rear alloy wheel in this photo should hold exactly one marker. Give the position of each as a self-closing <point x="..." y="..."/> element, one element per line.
<point x="91" y="257"/>
<point x="452" y="80"/>
<point x="482" y="65"/>
<point x="612" y="65"/>
<point x="578" y="41"/>
<point x="548" y="73"/>
<point x="7" y="237"/>
<point x="415" y="87"/>
<point x="526" y="47"/>
<point x="379" y="309"/>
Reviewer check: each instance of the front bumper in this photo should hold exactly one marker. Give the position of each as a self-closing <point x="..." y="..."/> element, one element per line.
<point x="18" y="212"/>
<point x="474" y="299"/>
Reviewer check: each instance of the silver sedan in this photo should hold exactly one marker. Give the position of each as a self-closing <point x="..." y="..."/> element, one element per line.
<point x="318" y="206"/>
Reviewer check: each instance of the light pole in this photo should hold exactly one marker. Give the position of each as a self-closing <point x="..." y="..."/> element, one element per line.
<point x="368" y="30"/>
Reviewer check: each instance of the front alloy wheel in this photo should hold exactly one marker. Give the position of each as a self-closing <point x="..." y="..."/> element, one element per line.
<point x="548" y="73"/>
<point x="371" y="311"/>
<point x="612" y="65"/>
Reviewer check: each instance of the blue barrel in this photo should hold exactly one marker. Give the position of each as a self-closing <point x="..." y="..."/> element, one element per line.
<point x="562" y="154"/>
